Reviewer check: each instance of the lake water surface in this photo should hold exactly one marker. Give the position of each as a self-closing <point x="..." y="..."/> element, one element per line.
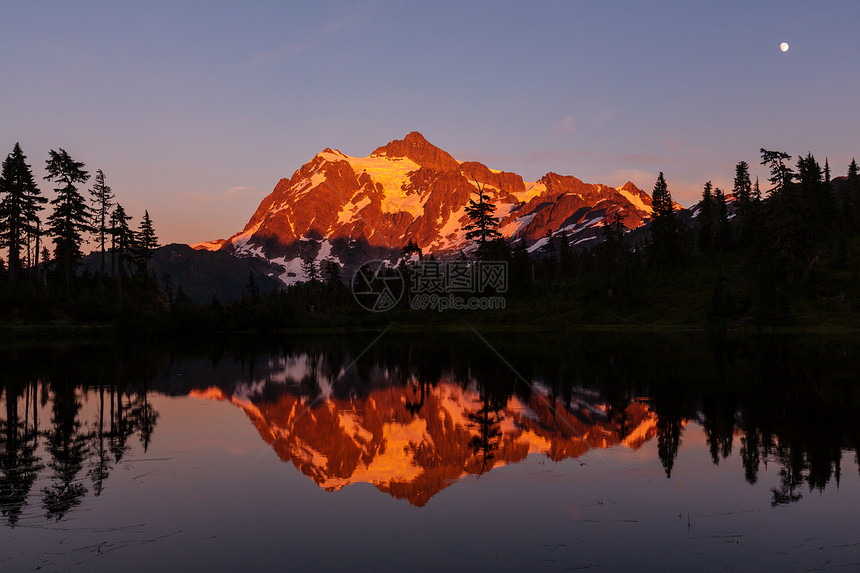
<point x="480" y="451"/>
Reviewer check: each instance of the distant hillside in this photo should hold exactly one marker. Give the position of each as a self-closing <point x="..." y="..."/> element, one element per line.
<point x="204" y="274"/>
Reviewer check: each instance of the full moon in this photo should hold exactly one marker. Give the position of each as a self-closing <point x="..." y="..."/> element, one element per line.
<point x="784" y="46"/>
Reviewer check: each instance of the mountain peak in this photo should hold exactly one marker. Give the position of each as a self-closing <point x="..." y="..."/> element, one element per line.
<point x="347" y="209"/>
<point x="415" y="147"/>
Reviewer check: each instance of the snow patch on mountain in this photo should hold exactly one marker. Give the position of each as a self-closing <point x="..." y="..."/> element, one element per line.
<point x="390" y="173"/>
<point x="350" y="212"/>
<point x="240" y="241"/>
<point x="532" y="190"/>
<point x="635" y="200"/>
<point x="316" y="179"/>
<point x="293" y="271"/>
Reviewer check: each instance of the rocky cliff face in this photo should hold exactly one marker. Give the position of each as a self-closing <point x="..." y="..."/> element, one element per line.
<point x="351" y="209"/>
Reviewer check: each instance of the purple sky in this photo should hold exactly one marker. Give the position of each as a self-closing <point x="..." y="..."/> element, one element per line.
<point x="195" y="110"/>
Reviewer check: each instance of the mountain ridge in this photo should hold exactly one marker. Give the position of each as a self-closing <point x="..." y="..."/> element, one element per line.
<point x="340" y="207"/>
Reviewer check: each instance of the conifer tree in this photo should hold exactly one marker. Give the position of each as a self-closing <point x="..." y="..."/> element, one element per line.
<point x="46" y="263"/>
<point x="722" y="234"/>
<point x="781" y="175"/>
<point x="122" y="243"/>
<point x="411" y="248"/>
<point x="332" y="273"/>
<point x="333" y="280"/>
<point x="145" y="244"/>
<point x="549" y="246"/>
<point x="611" y="252"/>
<point x="565" y="257"/>
<point x="705" y="218"/>
<point x="20" y="203"/>
<point x="521" y="267"/>
<point x="742" y="190"/>
<point x="102" y="198"/>
<point x="71" y="216"/>
<point x="483" y="224"/>
<point x="167" y="284"/>
<point x="665" y="234"/>
<point x="251" y="293"/>
<point x="311" y="270"/>
<point x="122" y="238"/>
<point x="814" y="196"/>
<point x="787" y="214"/>
<point x="851" y="194"/>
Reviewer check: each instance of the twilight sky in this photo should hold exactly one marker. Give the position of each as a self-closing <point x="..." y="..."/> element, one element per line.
<point x="194" y="110"/>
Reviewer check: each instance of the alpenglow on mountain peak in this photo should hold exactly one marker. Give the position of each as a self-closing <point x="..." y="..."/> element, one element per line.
<point x="352" y="209"/>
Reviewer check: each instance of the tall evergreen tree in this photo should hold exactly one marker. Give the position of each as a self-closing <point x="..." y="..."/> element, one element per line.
<point x="851" y="194"/>
<point x="787" y="214"/>
<point x="815" y="195"/>
<point x="742" y="189"/>
<point x="332" y="271"/>
<point x="34" y="204"/>
<point x="781" y="174"/>
<point x="71" y="217"/>
<point x="565" y="255"/>
<point x="549" y="246"/>
<point x="102" y="198"/>
<point x="122" y="243"/>
<point x="743" y="192"/>
<point x="611" y="252"/>
<point x="665" y="234"/>
<point x="145" y="244"/>
<point x="311" y="270"/>
<point x="20" y="203"/>
<point x="705" y="218"/>
<point x="483" y="224"/>
<point x="522" y="272"/>
<point x="46" y="263"/>
<point x="251" y="293"/>
<point x="333" y="281"/>
<point x="722" y="234"/>
<point x="412" y="248"/>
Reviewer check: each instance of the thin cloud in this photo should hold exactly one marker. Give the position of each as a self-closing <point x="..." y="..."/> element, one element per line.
<point x="566" y="125"/>
<point x="327" y="28"/>
<point x="602" y="118"/>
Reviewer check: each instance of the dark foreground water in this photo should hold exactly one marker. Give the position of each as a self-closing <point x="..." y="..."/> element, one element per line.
<point x="509" y="452"/>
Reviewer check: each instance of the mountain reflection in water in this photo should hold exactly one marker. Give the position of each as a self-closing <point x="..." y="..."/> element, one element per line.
<point x="412" y="442"/>
<point x="412" y="416"/>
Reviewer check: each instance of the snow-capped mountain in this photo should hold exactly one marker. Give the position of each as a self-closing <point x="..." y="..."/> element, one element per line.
<point x="352" y="209"/>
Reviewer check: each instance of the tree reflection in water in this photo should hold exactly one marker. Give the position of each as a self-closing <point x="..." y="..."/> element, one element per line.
<point x="62" y="377"/>
<point x="434" y="409"/>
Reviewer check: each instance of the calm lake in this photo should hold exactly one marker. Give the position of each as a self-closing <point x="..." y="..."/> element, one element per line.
<point x="467" y="451"/>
